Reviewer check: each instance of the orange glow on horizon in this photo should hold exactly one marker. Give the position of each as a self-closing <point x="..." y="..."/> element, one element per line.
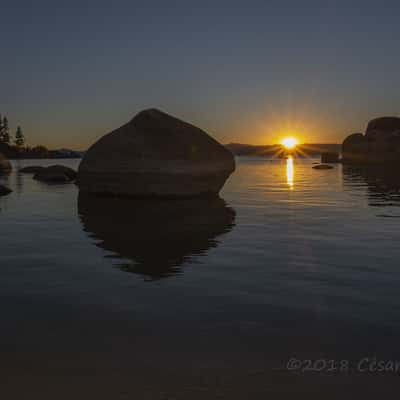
<point x="289" y="142"/>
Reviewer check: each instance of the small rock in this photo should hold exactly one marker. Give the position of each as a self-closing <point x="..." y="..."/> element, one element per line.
<point x="31" y="169"/>
<point x="55" y="174"/>
<point x="62" y="169"/>
<point x="51" y="177"/>
<point x="322" y="166"/>
<point x="4" y="190"/>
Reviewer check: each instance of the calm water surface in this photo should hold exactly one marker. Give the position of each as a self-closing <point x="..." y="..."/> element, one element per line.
<point x="291" y="262"/>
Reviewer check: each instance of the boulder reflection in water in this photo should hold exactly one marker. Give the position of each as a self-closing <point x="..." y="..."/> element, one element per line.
<point x="383" y="183"/>
<point x="156" y="236"/>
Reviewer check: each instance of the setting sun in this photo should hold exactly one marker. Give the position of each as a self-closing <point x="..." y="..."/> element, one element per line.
<point x="289" y="142"/>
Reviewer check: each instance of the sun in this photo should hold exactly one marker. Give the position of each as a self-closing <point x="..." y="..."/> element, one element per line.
<point x="289" y="142"/>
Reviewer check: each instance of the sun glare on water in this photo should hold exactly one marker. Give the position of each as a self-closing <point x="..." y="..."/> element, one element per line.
<point x="290" y="172"/>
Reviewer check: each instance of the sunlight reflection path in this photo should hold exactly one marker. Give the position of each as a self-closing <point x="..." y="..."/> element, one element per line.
<point x="290" y="172"/>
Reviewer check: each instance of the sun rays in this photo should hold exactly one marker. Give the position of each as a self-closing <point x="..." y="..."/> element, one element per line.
<point x="289" y="143"/>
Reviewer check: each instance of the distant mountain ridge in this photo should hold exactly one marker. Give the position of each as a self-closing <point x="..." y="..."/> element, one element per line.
<point x="14" y="152"/>
<point x="307" y="149"/>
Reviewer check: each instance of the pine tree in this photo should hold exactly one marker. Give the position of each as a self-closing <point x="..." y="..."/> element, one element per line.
<point x="1" y="130"/>
<point x="6" y="131"/>
<point x="19" y="137"/>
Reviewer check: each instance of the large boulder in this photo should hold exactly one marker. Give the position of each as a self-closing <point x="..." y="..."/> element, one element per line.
<point x="383" y="128"/>
<point x="380" y="144"/>
<point x="354" y="141"/>
<point x="354" y="148"/>
<point x="5" y="165"/>
<point x="157" y="155"/>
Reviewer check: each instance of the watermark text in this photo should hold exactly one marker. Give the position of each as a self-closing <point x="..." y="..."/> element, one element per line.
<point x="364" y="365"/>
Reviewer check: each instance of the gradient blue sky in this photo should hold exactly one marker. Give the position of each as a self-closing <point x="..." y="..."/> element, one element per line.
<point x="248" y="71"/>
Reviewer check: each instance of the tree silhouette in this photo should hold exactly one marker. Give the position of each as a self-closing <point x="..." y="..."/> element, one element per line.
<point x="5" y="131"/>
<point x="19" y="137"/>
<point x="1" y="130"/>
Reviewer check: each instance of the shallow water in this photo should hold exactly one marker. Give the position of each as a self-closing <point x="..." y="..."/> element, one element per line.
<point x="291" y="261"/>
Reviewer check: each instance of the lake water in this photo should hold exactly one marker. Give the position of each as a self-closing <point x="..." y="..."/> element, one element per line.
<point x="201" y="299"/>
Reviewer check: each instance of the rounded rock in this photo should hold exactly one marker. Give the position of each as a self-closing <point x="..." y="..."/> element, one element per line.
<point x="157" y="155"/>
<point x="31" y="169"/>
<point x="383" y="127"/>
<point x="51" y="177"/>
<point x="322" y="166"/>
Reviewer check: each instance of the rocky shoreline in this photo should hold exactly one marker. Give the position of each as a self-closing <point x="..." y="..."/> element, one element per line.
<point x="379" y="145"/>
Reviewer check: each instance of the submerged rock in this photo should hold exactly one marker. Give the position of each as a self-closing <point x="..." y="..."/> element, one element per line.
<point x="158" y="155"/>
<point x="155" y="237"/>
<point x="5" y="165"/>
<point x="322" y="166"/>
<point x="4" y="191"/>
<point x="379" y="145"/>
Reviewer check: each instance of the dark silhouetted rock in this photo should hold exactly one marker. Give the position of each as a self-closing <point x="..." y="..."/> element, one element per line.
<point x="31" y="170"/>
<point x="5" y="165"/>
<point x="322" y="166"/>
<point x="380" y="144"/>
<point x="62" y="169"/>
<point x="329" y="157"/>
<point x="383" y="128"/>
<point x="4" y="190"/>
<point x="55" y="174"/>
<point x="155" y="237"/>
<point x="356" y="139"/>
<point x="51" y="177"/>
<point x="355" y="148"/>
<point x="158" y="155"/>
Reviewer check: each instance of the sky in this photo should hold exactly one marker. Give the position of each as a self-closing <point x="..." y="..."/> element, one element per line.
<point x="244" y="71"/>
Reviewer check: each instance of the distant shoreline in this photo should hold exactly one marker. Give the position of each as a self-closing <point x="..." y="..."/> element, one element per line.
<point x="41" y="157"/>
<point x="311" y="149"/>
<point x="37" y="152"/>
